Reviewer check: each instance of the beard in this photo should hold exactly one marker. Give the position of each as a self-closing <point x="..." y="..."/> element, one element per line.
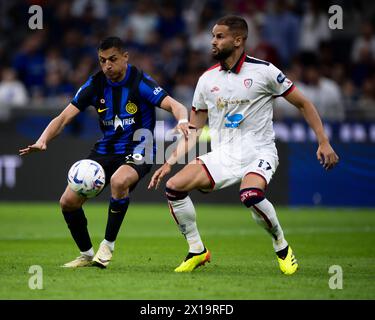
<point x="222" y="54"/>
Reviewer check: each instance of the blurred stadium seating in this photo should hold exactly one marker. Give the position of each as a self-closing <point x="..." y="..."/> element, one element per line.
<point x="171" y="41"/>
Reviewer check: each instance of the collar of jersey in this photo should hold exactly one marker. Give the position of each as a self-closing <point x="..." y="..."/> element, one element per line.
<point x="237" y="67"/>
<point x="123" y="81"/>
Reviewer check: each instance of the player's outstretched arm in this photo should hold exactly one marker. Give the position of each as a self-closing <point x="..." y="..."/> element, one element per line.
<point x="325" y="154"/>
<point x="52" y="130"/>
<point x="179" y="112"/>
<point x="197" y="122"/>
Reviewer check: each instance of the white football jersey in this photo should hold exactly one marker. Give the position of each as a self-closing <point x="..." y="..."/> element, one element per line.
<point x="240" y="101"/>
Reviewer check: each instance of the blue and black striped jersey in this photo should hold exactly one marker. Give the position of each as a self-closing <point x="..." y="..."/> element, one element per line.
<point x="123" y="108"/>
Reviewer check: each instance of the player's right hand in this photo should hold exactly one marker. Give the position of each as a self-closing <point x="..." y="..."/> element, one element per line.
<point x="326" y="155"/>
<point x="38" y="146"/>
<point x="159" y="175"/>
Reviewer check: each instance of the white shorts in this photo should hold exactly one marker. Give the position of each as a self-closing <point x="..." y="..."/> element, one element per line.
<point x="227" y="165"/>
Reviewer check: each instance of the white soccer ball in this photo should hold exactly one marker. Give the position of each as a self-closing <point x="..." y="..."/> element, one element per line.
<point x="86" y="178"/>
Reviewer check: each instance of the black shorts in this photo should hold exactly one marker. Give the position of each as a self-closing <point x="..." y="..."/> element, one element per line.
<point x="111" y="162"/>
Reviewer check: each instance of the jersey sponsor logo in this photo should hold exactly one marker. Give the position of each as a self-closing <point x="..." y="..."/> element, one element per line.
<point x="102" y="110"/>
<point x="215" y="89"/>
<point x="233" y="120"/>
<point x="281" y="77"/>
<point x="222" y="103"/>
<point x="117" y="122"/>
<point x="131" y="108"/>
<point x="135" y="158"/>
<point x="248" y="83"/>
<point x="248" y="194"/>
<point x="103" y="107"/>
<point x="157" y="90"/>
<point x="115" y="211"/>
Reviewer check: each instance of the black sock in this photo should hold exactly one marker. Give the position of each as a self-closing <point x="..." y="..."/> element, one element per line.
<point x="190" y="254"/>
<point x="116" y="213"/>
<point x="283" y="253"/>
<point x="77" y="224"/>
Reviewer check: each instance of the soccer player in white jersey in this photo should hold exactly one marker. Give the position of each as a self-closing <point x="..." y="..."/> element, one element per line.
<point x="236" y="95"/>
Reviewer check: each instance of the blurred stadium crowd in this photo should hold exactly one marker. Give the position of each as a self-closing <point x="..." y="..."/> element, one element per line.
<point x="171" y="41"/>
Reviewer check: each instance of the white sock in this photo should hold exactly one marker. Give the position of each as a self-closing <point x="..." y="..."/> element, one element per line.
<point x="265" y="215"/>
<point x="184" y="214"/>
<point x="110" y="244"/>
<point x="89" y="252"/>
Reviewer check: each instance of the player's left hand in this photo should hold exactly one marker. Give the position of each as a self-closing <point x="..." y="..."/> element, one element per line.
<point x="159" y="175"/>
<point x="326" y="155"/>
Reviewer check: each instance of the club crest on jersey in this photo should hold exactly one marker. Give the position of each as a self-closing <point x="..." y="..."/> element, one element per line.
<point x="248" y="83"/>
<point x="131" y="107"/>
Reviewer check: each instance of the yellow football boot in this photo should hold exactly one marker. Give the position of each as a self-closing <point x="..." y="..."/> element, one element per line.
<point x="288" y="265"/>
<point x="194" y="262"/>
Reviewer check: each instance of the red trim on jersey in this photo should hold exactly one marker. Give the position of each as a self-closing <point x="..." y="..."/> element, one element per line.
<point x="257" y="174"/>
<point x="237" y="66"/>
<point x="264" y="216"/>
<point x="195" y="110"/>
<point x="212" y="181"/>
<point x="285" y="93"/>
<point x="172" y="212"/>
<point x="240" y="63"/>
<point x="213" y="67"/>
<point x="290" y="90"/>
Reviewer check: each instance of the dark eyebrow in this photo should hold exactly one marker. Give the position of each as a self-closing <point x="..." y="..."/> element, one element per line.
<point x="101" y="57"/>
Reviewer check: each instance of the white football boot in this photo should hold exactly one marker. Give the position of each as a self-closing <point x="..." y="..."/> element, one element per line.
<point x="103" y="256"/>
<point x="81" y="261"/>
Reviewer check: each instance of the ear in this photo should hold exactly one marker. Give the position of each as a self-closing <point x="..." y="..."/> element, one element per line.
<point x="238" y="41"/>
<point x="125" y="54"/>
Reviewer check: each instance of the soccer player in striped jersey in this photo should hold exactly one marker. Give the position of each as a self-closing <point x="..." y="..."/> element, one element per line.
<point x="236" y="96"/>
<point x="124" y="99"/>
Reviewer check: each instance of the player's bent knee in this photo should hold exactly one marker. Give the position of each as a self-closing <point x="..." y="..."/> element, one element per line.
<point x="119" y="183"/>
<point x="68" y="204"/>
<point x="173" y="195"/>
<point x="172" y="184"/>
<point x="251" y="196"/>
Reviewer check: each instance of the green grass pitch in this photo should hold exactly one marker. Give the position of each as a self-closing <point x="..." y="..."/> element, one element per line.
<point x="150" y="246"/>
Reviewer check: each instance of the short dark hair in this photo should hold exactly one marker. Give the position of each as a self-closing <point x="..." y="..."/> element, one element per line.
<point x="112" y="42"/>
<point x="235" y="24"/>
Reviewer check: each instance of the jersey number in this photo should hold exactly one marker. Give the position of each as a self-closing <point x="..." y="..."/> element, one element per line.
<point x="264" y="165"/>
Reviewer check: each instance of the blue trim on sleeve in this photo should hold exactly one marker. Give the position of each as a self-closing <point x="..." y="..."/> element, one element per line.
<point x="84" y="86"/>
